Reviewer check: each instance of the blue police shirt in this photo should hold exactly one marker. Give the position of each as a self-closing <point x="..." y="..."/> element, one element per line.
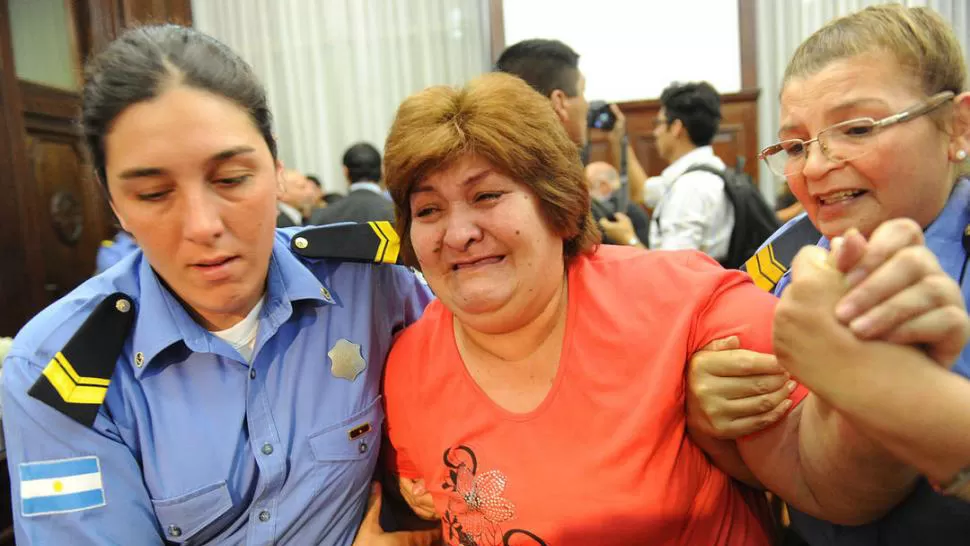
<point x="925" y="517"/>
<point x="194" y="445"/>
<point x="111" y="252"/>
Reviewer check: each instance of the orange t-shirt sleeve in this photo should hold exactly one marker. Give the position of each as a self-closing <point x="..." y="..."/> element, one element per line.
<point x="739" y="308"/>
<point x="397" y="407"/>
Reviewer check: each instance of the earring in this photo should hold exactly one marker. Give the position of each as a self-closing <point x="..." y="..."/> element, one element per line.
<point x="961" y="154"/>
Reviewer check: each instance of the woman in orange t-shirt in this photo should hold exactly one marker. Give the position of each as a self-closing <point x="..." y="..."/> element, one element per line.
<point x="540" y="399"/>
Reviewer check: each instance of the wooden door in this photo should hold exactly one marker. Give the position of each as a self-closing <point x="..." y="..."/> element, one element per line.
<point x="53" y="215"/>
<point x="72" y="212"/>
<point x="20" y="262"/>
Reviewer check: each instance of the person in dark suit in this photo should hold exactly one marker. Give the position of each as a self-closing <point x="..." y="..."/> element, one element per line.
<point x="365" y="201"/>
<point x="630" y="226"/>
<point x="294" y="199"/>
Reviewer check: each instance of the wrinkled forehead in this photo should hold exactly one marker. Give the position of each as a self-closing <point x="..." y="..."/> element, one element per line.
<point x="864" y="83"/>
<point x="452" y="172"/>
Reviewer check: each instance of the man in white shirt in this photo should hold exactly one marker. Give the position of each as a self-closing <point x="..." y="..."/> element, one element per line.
<point x="691" y="209"/>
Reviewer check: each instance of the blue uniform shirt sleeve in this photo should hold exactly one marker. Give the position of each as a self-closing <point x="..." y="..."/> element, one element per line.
<point x="112" y="252"/>
<point x="69" y="484"/>
<point x="413" y="293"/>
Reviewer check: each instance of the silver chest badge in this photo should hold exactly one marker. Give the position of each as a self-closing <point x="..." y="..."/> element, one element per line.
<point x="346" y="360"/>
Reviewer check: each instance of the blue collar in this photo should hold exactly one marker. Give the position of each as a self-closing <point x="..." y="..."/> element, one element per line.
<point x="945" y="235"/>
<point x="162" y="321"/>
<point x="949" y="225"/>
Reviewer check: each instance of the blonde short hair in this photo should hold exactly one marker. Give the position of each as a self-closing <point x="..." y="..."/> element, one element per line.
<point x="920" y="40"/>
<point x="499" y="118"/>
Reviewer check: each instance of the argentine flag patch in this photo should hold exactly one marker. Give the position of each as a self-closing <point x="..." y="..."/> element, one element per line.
<point x="58" y="487"/>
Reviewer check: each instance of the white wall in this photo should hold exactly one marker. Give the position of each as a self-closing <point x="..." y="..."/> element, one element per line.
<point x="632" y="49"/>
<point x="335" y="71"/>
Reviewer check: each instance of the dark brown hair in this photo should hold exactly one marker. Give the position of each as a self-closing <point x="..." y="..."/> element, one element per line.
<point x="141" y="63"/>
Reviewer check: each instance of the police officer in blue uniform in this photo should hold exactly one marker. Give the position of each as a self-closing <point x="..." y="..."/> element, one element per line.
<point x="868" y="137"/>
<point x="113" y="250"/>
<point x="222" y="383"/>
<point x="929" y="515"/>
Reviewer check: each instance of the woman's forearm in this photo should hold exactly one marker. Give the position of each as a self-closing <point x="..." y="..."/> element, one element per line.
<point x="919" y="411"/>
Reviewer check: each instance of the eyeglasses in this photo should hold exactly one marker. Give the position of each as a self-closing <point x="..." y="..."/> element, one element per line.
<point x="843" y="141"/>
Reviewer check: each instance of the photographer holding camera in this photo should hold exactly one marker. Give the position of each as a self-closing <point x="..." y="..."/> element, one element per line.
<point x="552" y="68"/>
<point x="621" y="218"/>
<point x="611" y="206"/>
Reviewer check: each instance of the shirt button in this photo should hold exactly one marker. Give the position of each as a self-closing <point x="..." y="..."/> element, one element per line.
<point x="174" y="531"/>
<point x="363" y="447"/>
<point x="267" y="449"/>
<point x="252" y="373"/>
<point x="264" y="516"/>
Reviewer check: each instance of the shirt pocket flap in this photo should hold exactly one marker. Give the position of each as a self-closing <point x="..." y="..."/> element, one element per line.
<point x="351" y="439"/>
<point x="182" y="517"/>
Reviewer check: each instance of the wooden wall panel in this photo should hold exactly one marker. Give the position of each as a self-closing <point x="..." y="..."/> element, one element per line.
<point x="156" y="11"/>
<point x="736" y="137"/>
<point x="97" y="23"/>
<point x="53" y="214"/>
<point x="748" y="34"/>
<point x="20" y="261"/>
<point x="71" y="210"/>
<point x="100" y="21"/>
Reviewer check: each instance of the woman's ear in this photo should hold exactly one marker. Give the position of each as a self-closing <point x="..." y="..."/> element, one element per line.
<point x="280" y="188"/>
<point x="960" y="136"/>
<point x="121" y="219"/>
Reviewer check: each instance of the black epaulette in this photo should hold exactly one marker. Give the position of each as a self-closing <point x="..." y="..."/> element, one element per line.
<point x="771" y="262"/>
<point x="76" y="380"/>
<point x="373" y="242"/>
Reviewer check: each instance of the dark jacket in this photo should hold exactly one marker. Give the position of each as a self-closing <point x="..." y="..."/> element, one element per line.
<point x="638" y="217"/>
<point x="283" y="221"/>
<point x="359" y="206"/>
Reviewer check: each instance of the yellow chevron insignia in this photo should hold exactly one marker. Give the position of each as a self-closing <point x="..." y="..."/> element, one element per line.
<point x="72" y="387"/>
<point x="390" y="243"/>
<point x="764" y="269"/>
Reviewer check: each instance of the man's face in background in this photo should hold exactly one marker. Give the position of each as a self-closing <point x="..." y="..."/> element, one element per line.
<point x="577" y="109"/>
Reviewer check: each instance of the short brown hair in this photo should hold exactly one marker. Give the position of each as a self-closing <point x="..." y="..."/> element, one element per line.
<point x="920" y="40"/>
<point x="501" y="119"/>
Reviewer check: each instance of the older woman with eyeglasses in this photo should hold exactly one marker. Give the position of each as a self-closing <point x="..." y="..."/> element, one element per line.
<point x="875" y="126"/>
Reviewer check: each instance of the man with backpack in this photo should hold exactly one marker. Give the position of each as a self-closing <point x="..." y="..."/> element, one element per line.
<point x="702" y="204"/>
<point x="693" y="210"/>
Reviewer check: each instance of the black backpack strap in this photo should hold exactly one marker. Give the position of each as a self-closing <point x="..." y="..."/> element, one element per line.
<point x="694" y="168"/>
<point x="372" y="242"/>
<point x="723" y="174"/>
<point x="76" y="380"/>
<point x="769" y="264"/>
<point x="705" y="168"/>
